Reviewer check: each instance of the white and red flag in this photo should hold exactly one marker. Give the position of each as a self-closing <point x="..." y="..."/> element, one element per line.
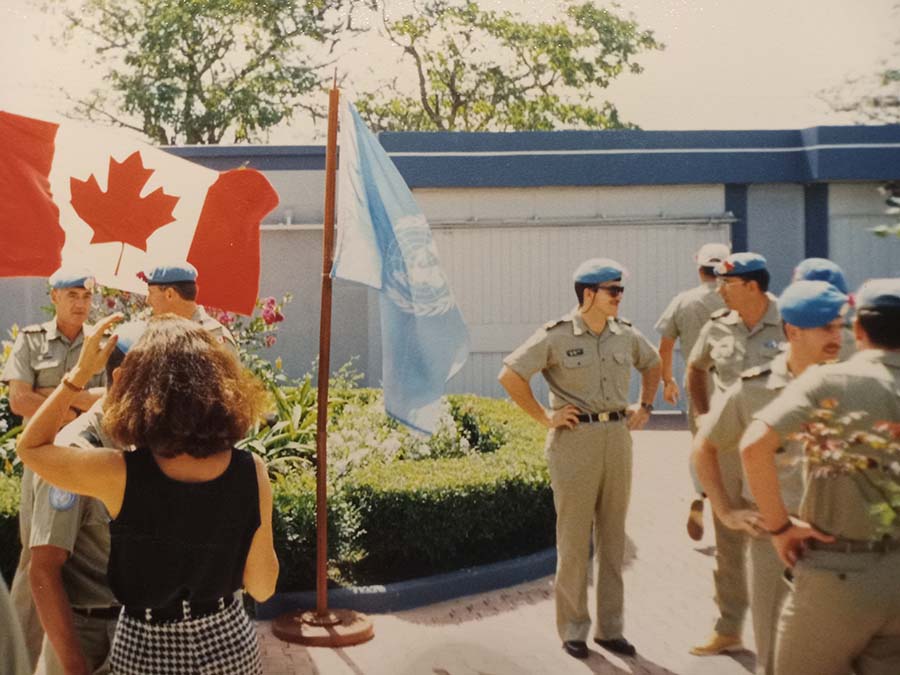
<point x="96" y="198"/>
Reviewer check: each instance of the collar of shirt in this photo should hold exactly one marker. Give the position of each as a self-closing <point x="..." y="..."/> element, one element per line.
<point x="579" y="327"/>
<point x="780" y="375"/>
<point x="888" y="358"/>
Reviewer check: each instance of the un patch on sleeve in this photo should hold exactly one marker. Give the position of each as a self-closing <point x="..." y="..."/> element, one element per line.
<point x="61" y="500"/>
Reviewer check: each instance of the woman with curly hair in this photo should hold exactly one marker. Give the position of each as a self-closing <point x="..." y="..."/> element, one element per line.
<point x="191" y="515"/>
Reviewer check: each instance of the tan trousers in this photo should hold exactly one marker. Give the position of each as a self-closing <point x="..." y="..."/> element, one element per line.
<point x="768" y="590"/>
<point x="590" y="472"/>
<point x="730" y="576"/>
<point x="95" y="636"/>
<point x="23" y="605"/>
<point x="843" y="616"/>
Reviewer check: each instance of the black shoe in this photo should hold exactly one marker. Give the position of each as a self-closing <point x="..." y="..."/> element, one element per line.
<point x="576" y="648"/>
<point x="620" y="646"/>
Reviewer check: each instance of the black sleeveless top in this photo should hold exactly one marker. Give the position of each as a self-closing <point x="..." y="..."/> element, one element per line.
<point x="176" y="541"/>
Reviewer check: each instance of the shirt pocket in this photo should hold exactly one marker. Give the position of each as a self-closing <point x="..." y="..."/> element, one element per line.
<point x="47" y="372"/>
<point x="619" y="377"/>
<point x="722" y="349"/>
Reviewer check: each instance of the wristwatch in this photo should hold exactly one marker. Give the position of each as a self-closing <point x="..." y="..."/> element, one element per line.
<point x="647" y="406"/>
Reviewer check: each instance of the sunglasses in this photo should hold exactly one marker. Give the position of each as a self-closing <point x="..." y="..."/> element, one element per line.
<point x="612" y="290"/>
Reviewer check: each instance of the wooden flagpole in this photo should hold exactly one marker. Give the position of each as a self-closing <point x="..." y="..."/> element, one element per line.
<point x="324" y="627"/>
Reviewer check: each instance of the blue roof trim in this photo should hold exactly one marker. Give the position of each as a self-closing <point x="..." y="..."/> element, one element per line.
<point x="589" y="158"/>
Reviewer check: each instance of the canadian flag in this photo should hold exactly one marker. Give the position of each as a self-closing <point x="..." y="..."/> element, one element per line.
<point x="98" y="199"/>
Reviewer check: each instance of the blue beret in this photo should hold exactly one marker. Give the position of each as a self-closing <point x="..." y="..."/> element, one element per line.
<point x="170" y="273"/>
<point x="879" y="294"/>
<point x="740" y="263"/>
<point x="72" y="277"/>
<point x="822" y="269"/>
<point x="811" y="304"/>
<point x="598" y="270"/>
<point x="128" y="334"/>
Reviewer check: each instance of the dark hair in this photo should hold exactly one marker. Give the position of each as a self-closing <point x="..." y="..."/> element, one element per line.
<point x="115" y="360"/>
<point x="180" y="392"/>
<point x="707" y="271"/>
<point x="761" y="277"/>
<point x="881" y="325"/>
<point x="187" y="290"/>
<point x="581" y="287"/>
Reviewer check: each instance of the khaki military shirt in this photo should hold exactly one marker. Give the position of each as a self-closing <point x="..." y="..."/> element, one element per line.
<point x="41" y="355"/>
<point x="728" y="348"/>
<point x="216" y="329"/>
<point x="591" y="372"/>
<point x="688" y="312"/>
<point x="868" y="382"/>
<point x="732" y="413"/>
<point x="76" y="523"/>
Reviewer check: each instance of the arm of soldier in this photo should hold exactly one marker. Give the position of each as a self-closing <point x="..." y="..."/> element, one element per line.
<point x="666" y="352"/>
<point x="520" y="392"/>
<point x="261" y="568"/>
<point x="85" y="399"/>
<point x="758" y="447"/>
<point x="699" y="362"/>
<point x="54" y="610"/>
<point x="646" y="359"/>
<point x="705" y="457"/>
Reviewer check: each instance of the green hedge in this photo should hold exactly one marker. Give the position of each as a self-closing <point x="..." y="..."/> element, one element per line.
<point x="403" y="519"/>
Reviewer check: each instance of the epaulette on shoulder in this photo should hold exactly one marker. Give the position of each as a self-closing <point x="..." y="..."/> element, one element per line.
<point x="556" y="322"/>
<point x="625" y="322"/>
<point x="719" y="313"/>
<point x="756" y="371"/>
<point x="35" y="328"/>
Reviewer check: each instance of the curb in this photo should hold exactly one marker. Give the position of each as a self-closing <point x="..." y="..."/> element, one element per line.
<point x="418" y="592"/>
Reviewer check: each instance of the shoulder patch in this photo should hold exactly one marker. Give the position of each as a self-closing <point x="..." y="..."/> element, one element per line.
<point x="61" y="500"/>
<point x="34" y="328"/>
<point x="555" y="323"/>
<point x="755" y="372"/>
<point x="719" y="313"/>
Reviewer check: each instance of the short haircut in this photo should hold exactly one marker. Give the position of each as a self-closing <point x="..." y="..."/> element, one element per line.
<point x="882" y="326"/>
<point x="187" y="290"/>
<point x="761" y="277"/>
<point x="180" y="392"/>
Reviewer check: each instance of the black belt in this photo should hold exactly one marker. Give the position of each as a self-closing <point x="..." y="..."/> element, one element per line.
<point x="99" y="612"/>
<point x="184" y="609"/>
<point x="855" y="545"/>
<point x="613" y="416"/>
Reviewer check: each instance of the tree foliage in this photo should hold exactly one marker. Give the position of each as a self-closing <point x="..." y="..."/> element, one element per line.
<point x="194" y="71"/>
<point x="477" y="70"/>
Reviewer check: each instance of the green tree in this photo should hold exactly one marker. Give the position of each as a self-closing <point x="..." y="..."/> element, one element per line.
<point x="477" y="70"/>
<point x="194" y="71"/>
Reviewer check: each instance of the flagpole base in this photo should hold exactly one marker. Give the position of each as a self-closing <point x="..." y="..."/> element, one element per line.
<point x="334" y="628"/>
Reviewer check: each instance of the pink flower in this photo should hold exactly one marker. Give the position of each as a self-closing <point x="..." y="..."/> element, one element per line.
<point x="269" y="316"/>
<point x="271" y="340"/>
<point x="279" y="317"/>
<point x="269" y="303"/>
<point x="226" y="318"/>
<point x="110" y="302"/>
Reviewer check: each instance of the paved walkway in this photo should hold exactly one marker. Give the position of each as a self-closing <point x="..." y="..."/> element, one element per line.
<point x="668" y="603"/>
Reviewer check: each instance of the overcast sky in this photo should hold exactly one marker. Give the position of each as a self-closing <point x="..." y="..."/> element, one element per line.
<point x="728" y="64"/>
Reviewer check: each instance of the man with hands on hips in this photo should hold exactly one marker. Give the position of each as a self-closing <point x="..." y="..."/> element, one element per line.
<point x="586" y="358"/>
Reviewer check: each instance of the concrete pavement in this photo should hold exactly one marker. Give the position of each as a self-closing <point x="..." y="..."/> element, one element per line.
<point x="668" y="605"/>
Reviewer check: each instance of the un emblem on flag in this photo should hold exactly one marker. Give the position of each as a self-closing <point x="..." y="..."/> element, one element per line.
<point x="413" y="277"/>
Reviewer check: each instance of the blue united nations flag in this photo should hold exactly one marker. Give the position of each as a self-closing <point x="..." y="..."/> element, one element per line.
<point x="384" y="242"/>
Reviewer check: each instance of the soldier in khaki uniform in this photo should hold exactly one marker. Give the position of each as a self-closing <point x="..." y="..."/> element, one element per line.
<point x="683" y="320"/>
<point x="41" y="355"/>
<point x="73" y="532"/>
<point x="844" y="612"/>
<point x="172" y="288"/>
<point x="813" y="314"/>
<point x="586" y="358"/>
<point x="746" y="334"/>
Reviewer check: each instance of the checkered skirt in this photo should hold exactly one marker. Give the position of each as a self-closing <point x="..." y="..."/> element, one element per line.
<point x="224" y="643"/>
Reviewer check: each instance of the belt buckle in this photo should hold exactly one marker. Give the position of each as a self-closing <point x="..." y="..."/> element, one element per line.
<point x="603" y="417"/>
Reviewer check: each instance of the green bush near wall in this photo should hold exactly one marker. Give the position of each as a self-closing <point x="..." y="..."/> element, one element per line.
<point x="401" y="519"/>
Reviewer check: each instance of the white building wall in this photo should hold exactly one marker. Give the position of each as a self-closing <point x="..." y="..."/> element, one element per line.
<point x="776" y="216"/>
<point x="855" y="208"/>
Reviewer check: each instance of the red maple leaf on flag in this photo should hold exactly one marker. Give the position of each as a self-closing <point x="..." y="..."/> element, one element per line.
<point x="120" y="214"/>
